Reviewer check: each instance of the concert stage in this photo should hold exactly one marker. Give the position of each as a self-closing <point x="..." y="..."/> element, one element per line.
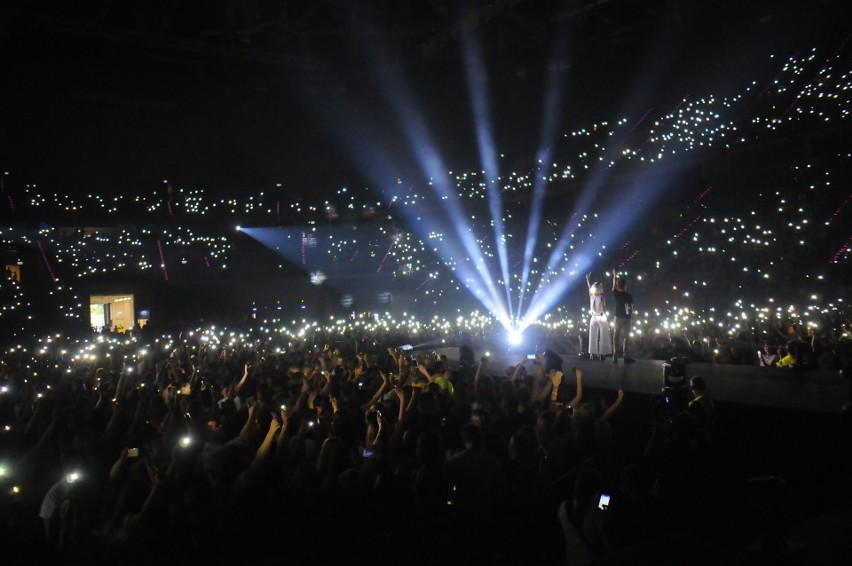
<point x="815" y="390"/>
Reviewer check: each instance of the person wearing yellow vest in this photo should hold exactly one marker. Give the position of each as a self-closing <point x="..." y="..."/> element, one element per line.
<point x="440" y="375"/>
<point x="701" y="406"/>
<point x="789" y="360"/>
<point x="549" y="382"/>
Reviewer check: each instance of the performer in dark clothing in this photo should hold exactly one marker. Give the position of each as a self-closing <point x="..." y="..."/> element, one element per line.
<point x="623" y="312"/>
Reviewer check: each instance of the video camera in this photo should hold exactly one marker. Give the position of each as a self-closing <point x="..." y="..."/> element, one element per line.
<point x="674" y="372"/>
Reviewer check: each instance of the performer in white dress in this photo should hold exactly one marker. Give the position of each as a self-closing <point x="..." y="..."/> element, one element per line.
<point x="600" y="343"/>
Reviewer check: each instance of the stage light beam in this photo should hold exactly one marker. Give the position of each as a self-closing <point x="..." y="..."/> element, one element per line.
<point x="475" y="73"/>
<point x="516" y="338"/>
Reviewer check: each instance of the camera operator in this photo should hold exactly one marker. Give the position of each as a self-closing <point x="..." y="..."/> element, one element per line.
<point x="701" y="407"/>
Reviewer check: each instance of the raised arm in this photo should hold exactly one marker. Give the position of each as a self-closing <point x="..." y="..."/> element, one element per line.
<point x="422" y="368"/>
<point x="393" y="355"/>
<point x="545" y="390"/>
<point x="610" y="411"/>
<point x="113" y="426"/>
<point x="136" y="520"/>
<point x="379" y="392"/>
<point x="139" y="416"/>
<point x="539" y="380"/>
<point x="235" y="388"/>
<point x="589" y="280"/>
<point x="283" y="436"/>
<point x="303" y="395"/>
<point x="326" y="387"/>
<point x="245" y="432"/>
<point x="614" y="278"/>
<point x="401" y="364"/>
<point x="31" y="457"/>
<point x="118" y="467"/>
<point x="482" y="361"/>
<point x="578" y="373"/>
<point x="265" y="448"/>
<point x="123" y="387"/>
<point x="405" y="406"/>
<point x="518" y="369"/>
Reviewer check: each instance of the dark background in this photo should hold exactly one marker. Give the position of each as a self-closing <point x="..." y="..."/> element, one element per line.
<point x="230" y="96"/>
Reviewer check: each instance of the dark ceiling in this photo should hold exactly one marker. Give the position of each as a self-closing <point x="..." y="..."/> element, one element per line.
<point x="237" y="94"/>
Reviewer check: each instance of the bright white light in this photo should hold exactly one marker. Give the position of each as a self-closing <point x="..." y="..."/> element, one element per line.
<point x="515" y="338"/>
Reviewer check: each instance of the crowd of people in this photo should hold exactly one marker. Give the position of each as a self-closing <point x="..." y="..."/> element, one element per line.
<point x="193" y="447"/>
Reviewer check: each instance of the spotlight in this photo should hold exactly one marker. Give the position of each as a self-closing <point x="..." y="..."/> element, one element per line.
<point x="515" y="338"/>
<point x="239" y="228"/>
